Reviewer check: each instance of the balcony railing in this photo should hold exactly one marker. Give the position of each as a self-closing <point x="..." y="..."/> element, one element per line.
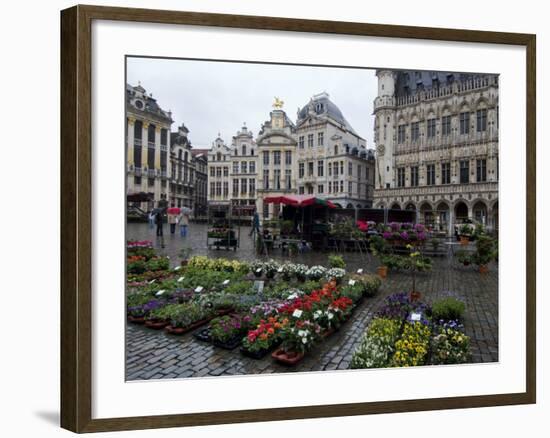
<point x="151" y="144"/>
<point x="151" y="173"/>
<point x="458" y="189"/>
<point x="137" y="141"/>
<point x="137" y="171"/>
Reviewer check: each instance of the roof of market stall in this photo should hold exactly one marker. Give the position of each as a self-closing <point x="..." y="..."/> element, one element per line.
<point x="298" y="200"/>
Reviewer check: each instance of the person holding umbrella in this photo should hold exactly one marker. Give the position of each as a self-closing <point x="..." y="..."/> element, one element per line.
<point x="173" y="215"/>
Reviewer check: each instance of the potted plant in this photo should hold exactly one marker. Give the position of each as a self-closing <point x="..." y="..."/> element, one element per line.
<point x="257" y="268"/>
<point x="300" y="271"/>
<point x="485" y="252"/>
<point x="270" y="268"/>
<point x="464" y="258"/>
<point x="184" y="255"/>
<point x="465" y="232"/>
<point x="227" y="331"/>
<point x="297" y="338"/>
<point x="266" y="336"/>
<point x="379" y="247"/>
<point x="316" y="272"/>
<point x="336" y="261"/>
<point x="336" y="274"/>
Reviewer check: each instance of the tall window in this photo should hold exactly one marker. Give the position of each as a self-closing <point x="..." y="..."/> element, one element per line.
<point x="320" y="188"/>
<point x="481" y="170"/>
<point x="288" y="158"/>
<point x="219" y="172"/>
<point x="310" y="140"/>
<point x="252" y="166"/>
<point x="341" y="167"/>
<point x="266" y="179"/>
<point x="464" y="123"/>
<point x="266" y="158"/>
<point x="243" y="149"/>
<point x="301" y="190"/>
<point x="431" y="128"/>
<point x="225" y="189"/>
<point x="464" y="171"/>
<point x="235" y="167"/>
<point x="335" y="168"/>
<point x="212" y="190"/>
<point x="350" y="188"/>
<point x="212" y="171"/>
<point x="445" y="173"/>
<point x="341" y="186"/>
<point x="401" y="134"/>
<point x="277" y="158"/>
<point x="335" y="149"/>
<point x="415" y="131"/>
<point x="414" y="176"/>
<point x="235" y="187"/>
<point x="320" y="138"/>
<point x="225" y="171"/>
<point x="446" y="126"/>
<point x="288" y="179"/>
<point x="243" y="186"/>
<point x="350" y="168"/>
<point x="329" y="169"/>
<point x="251" y="186"/>
<point x="301" y="142"/>
<point x="300" y="170"/>
<point x="430" y="174"/>
<point x="277" y="179"/>
<point x="481" y="120"/>
<point x="320" y="168"/>
<point x="310" y="168"/>
<point x="218" y="188"/>
<point x="401" y="177"/>
<point x="330" y="186"/>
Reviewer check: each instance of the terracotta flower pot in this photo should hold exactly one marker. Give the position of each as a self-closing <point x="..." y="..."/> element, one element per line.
<point x="483" y="269"/>
<point x="464" y="240"/>
<point x="382" y="271"/>
<point x="287" y="358"/>
<point x="415" y="296"/>
<point x="136" y="320"/>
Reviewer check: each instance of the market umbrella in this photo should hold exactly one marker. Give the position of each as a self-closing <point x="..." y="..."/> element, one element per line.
<point x="174" y="210"/>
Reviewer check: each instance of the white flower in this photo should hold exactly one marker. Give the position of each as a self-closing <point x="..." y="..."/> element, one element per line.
<point x="297" y="313"/>
<point x="302" y="333"/>
<point x="317" y="314"/>
<point x="180" y="279"/>
<point x="330" y="316"/>
<point x="292" y="296"/>
<point x="304" y="341"/>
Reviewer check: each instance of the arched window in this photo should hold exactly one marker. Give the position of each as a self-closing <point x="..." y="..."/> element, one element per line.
<point x="179" y="154"/>
<point x="243" y="150"/>
<point x="185" y="157"/>
<point x="218" y="157"/>
<point x="251" y="151"/>
<point x="335" y="149"/>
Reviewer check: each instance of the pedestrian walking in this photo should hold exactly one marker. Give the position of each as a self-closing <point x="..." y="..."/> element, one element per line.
<point x="184" y="223"/>
<point x="255" y="223"/>
<point x="151" y="219"/>
<point x="158" y="221"/>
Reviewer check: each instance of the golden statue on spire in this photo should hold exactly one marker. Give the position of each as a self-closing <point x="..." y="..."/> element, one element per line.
<point x="278" y="104"/>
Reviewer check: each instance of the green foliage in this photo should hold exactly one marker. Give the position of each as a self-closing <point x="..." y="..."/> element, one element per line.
<point x="243" y="287"/>
<point x="378" y="245"/>
<point x="353" y="291"/>
<point x="448" y="309"/>
<point x="336" y="261"/>
<point x="485" y="250"/>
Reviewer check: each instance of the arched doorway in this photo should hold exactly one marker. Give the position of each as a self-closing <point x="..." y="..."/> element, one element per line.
<point x="349" y="206"/>
<point x="479" y="212"/>
<point x="395" y="206"/>
<point x="427" y="214"/>
<point x="410" y="206"/>
<point x="443" y="216"/>
<point x="461" y="211"/>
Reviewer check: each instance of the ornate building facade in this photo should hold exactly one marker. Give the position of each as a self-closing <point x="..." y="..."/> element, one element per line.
<point x="333" y="160"/>
<point x="148" y="144"/>
<point x="161" y="164"/>
<point x="320" y="155"/>
<point x="436" y="137"/>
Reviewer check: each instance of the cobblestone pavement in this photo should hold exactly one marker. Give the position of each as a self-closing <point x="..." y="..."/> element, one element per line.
<point x="155" y="355"/>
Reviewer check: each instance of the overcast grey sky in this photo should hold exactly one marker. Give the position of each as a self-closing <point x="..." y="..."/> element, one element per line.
<point x="211" y="97"/>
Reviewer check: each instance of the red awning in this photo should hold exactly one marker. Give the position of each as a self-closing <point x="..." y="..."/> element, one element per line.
<point x="298" y="200"/>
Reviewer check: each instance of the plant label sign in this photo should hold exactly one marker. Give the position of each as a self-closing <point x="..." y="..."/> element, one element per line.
<point x="226" y="282"/>
<point x="199" y="289"/>
<point x="351" y="282"/>
<point x="160" y="292"/>
<point x="416" y="316"/>
<point x="177" y="268"/>
<point x="359" y="271"/>
<point x="259" y="286"/>
<point x="181" y="279"/>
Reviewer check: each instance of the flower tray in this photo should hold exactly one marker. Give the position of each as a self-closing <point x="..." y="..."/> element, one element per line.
<point x="287" y="358"/>
<point x="260" y="353"/>
<point x="156" y="325"/>
<point x="136" y="319"/>
<point x="183" y="330"/>
<point x="229" y="345"/>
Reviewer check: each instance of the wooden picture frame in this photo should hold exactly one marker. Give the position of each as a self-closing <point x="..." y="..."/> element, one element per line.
<point x="76" y="217"/>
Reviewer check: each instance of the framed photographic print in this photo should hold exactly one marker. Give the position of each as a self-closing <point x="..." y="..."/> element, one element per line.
<point x="268" y="219"/>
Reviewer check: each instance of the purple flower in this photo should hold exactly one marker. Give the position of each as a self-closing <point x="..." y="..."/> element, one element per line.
<point x="395" y="226"/>
<point x="421" y="235"/>
<point x="407" y="225"/>
<point x="386" y="235"/>
<point x="419" y="228"/>
<point x="404" y="235"/>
